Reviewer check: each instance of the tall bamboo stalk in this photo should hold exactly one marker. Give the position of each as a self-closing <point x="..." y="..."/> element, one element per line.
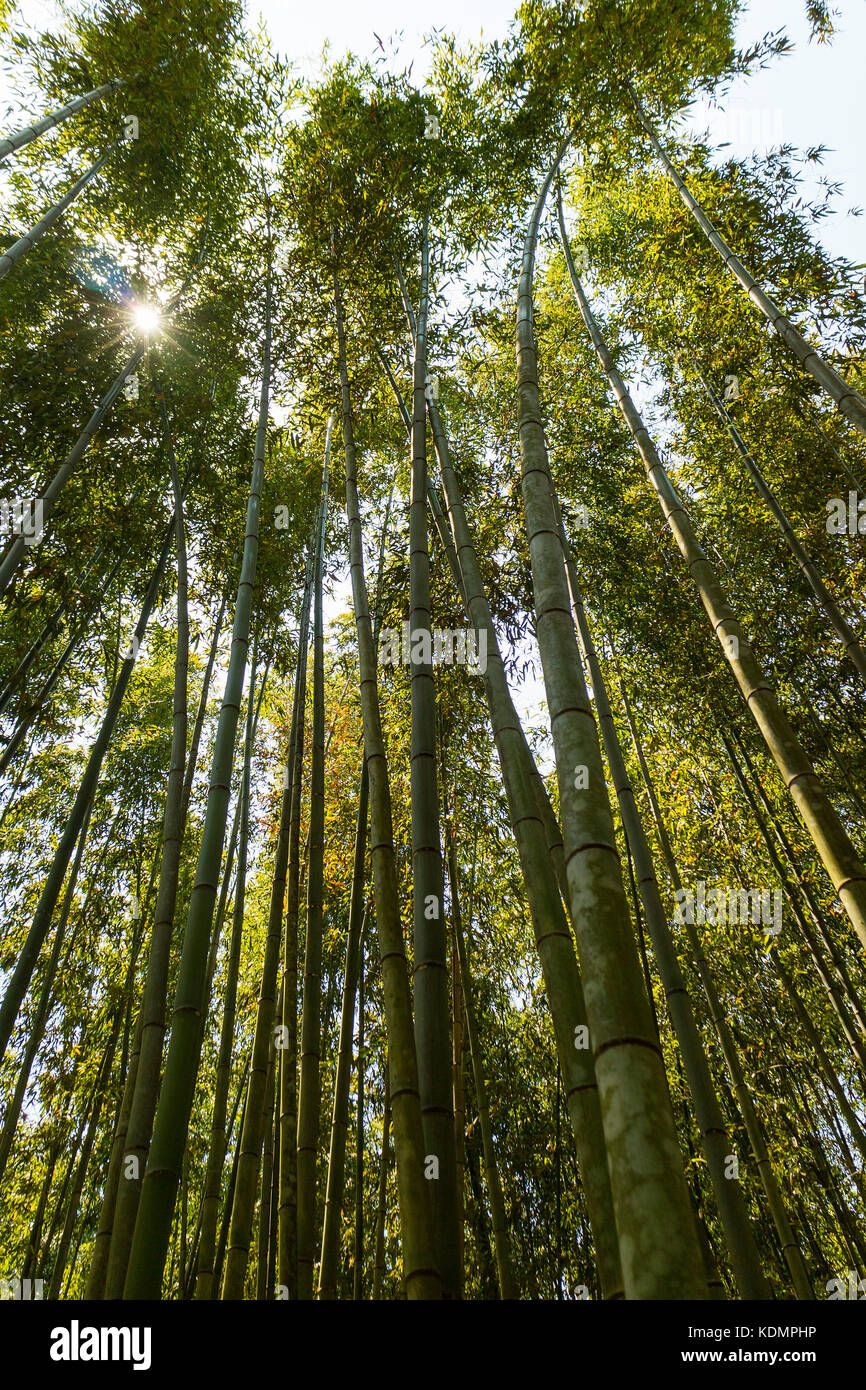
<point x="357" y="918"/>
<point x="421" y="1274"/>
<point x="339" y="1120"/>
<point x="217" y="1146"/>
<point x="267" y="1184"/>
<point x="789" y="988"/>
<point x="255" y="1113"/>
<point x="538" y="837"/>
<point x="430" y="971"/>
<point x="787" y="1240"/>
<point x="153" y="1006"/>
<point x="458" y="1083"/>
<point x="287" y="1228"/>
<point x="55" y="621"/>
<point x="358" y="1260"/>
<point x="714" y="1138"/>
<point x="808" y="568"/>
<point x="309" y="1090"/>
<point x="539" y="846"/>
<point x="29" y="239"/>
<point x="657" y="1239"/>
<point x="43" y="1007"/>
<point x="838" y="855"/>
<point x="381" y="1202"/>
<point x="824" y="972"/>
<point x="82" y="1157"/>
<point x="198" y="726"/>
<point x="159" y="1190"/>
<point x="817" y="916"/>
<point x="501" y="1244"/>
<point x="95" y="1285"/>
<point x="42" y="917"/>
<point x="38" y="706"/>
<point x="230" y="1190"/>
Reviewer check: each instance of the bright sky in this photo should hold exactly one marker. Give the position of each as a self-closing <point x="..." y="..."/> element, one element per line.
<point x="817" y="95"/>
<point x="299" y="33"/>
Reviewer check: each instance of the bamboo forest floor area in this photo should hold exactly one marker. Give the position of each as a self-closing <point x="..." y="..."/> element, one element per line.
<point x="432" y="707"/>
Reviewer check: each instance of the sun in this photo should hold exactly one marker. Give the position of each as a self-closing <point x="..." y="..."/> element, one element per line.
<point x="146" y="318"/>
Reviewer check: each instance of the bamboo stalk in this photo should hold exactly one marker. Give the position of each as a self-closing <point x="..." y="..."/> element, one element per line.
<point x="159" y="1189"/>
<point x="421" y="1275"/>
<point x="655" y="1227"/>
<point x="838" y="855"/>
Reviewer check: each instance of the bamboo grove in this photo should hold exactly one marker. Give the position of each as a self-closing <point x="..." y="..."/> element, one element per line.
<point x="339" y="414"/>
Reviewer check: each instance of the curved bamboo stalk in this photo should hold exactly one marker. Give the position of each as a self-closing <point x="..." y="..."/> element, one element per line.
<point x="809" y="569"/>
<point x="838" y="855"/>
<point x="849" y="401"/>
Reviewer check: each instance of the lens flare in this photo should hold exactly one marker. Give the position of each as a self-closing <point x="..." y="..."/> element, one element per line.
<point x="146" y="319"/>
